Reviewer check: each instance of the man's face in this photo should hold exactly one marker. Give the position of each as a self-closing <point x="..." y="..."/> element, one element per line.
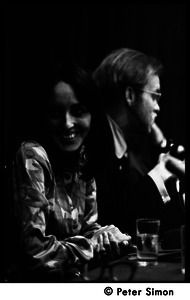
<point x="146" y="107"/>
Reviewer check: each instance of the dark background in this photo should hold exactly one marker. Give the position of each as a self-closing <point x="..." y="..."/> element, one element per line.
<point x="38" y="36"/>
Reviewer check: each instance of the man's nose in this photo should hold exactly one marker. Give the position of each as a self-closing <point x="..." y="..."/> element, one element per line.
<point x="156" y="106"/>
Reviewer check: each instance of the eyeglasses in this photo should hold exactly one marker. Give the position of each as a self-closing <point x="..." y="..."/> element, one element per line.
<point x="117" y="271"/>
<point x="156" y="96"/>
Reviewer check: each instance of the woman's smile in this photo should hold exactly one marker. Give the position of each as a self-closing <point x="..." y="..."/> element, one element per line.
<point x="69" y="136"/>
<point x="69" y="120"/>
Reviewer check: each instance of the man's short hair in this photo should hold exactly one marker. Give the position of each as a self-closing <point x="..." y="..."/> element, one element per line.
<point x="124" y="68"/>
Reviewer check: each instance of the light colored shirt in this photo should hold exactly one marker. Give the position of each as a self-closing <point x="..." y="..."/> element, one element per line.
<point x="121" y="150"/>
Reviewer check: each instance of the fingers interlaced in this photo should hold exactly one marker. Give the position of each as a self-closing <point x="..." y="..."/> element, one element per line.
<point x="111" y="243"/>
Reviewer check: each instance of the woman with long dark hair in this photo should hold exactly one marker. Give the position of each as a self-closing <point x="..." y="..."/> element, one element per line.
<point x="54" y="189"/>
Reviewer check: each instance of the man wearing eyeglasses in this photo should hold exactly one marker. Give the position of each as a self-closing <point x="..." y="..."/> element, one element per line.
<point x="133" y="183"/>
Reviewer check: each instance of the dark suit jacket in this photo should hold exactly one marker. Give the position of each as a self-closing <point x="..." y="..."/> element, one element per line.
<point x="125" y="193"/>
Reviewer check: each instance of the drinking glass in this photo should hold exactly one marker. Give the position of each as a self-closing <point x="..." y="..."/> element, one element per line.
<point x="147" y="241"/>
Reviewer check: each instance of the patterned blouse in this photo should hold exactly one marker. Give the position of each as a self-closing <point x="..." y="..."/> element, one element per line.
<point x="57" y="214"/>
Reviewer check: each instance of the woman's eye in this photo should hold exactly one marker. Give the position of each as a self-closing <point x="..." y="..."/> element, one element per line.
<point x="79" y="110"/>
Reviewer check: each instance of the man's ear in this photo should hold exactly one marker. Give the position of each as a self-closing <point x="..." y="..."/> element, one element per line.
<point x="129" y="96"/>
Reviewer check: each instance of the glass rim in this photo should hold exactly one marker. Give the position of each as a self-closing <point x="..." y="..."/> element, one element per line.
<point x="148" y="220"/>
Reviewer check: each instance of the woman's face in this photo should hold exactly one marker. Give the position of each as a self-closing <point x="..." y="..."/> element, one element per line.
<point x="69" y="120"/>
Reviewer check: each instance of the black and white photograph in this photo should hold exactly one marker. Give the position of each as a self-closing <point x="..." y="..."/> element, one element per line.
<point x="94" y="144"/>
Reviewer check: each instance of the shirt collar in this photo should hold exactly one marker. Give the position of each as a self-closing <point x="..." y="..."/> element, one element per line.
<point x="118" y="138"/>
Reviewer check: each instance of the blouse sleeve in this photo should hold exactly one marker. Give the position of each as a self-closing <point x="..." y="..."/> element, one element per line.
<point x="32" y="179"/>
<point x="90" y="225"/>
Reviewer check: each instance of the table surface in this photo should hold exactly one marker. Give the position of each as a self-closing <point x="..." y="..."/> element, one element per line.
<point x="168" y="269"/>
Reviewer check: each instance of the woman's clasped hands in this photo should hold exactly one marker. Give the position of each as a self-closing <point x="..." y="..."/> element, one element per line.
<point x="110" y="243"/>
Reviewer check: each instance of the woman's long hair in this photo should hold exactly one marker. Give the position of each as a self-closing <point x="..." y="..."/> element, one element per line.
<point x="87" y="94"/>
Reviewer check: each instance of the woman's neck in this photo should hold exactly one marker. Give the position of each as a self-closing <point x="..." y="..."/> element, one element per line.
<point x="61" y="159"/>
